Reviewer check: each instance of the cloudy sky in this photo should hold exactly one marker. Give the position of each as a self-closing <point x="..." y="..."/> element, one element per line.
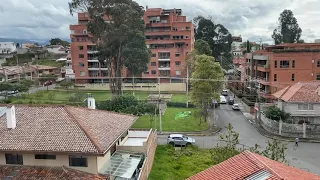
<point x="252" y="19"/>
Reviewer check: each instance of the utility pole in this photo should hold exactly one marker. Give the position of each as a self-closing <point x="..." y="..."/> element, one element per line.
<point x="133" y="83"/>
<point x="159" y="105"/>
<point x="187" y="86"/>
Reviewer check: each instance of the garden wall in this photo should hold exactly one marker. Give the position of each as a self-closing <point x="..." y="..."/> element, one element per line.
<point x="290" y="130"/>
<point x="171" y="87"/>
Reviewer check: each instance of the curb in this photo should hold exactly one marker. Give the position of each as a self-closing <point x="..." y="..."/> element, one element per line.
<point x="203" y="133"/>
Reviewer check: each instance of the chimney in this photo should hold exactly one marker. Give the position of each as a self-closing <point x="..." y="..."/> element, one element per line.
<point x="91" y="102"/>
<point x="11" y="117"/>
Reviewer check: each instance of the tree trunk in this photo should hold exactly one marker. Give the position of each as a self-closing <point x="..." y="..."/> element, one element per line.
<point x="111" y="79"/>
<point x="118" y="74"/>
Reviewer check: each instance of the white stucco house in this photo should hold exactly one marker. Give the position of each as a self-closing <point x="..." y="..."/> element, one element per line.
<point x="7" y="47"/>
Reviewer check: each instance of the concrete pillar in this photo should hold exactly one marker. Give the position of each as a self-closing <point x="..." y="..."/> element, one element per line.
<point x="304" y="129"/>
<point x="280" y="127"/>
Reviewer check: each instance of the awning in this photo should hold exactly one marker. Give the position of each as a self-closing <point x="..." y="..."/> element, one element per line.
<point x="121" y="164"/>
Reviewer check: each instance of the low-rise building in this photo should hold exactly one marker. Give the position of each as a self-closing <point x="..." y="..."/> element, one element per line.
<point x="82" y="139"/>
<point x="248" y="165"/>
<point x="302" y="101"/>
<point x="7" y="47"/>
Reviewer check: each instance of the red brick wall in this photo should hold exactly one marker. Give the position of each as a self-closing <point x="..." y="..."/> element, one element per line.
<point x="151" y="150"/>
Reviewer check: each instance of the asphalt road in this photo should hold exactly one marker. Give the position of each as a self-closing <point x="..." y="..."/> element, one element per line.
<point x="306" y="156"/>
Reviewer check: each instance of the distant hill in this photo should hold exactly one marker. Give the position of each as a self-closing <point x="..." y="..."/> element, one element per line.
<point x="25" y="41"/>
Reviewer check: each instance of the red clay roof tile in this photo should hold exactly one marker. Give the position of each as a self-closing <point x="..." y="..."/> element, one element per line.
<point x="61" y="128"/>
<point x="245" y="164"/>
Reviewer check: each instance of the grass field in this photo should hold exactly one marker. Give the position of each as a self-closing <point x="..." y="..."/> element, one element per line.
<point x="171" y="164"/>
<point x="169" y="123"/>
<point x="62" y="96"/>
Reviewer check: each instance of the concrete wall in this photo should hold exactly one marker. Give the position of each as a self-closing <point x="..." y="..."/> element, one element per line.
<point x="292" y="108"/>
<point x="180" y="87"/>
<point x="151" y="150"/>
<point x="61" y="160"/>
<point x="290" y="130"/>
<point x="101" y="160"/>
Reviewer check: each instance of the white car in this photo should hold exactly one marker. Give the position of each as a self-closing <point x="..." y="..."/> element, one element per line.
<point x="223" y="100"/>
<point x="180" y="140"/>
<point x="236" y="107"/>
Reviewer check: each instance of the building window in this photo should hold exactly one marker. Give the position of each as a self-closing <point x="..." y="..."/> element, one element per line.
<point x="164" y="55"/>
<point x="81" y="64"/>
<point x="284" y="64"/>
<point x="153" y="72"/>
<point x="153" y="63"/>
<point x="275" y="64"/>
<point x="82" y="73"/>
<point x="147" y="72"/>
<point x="318" y="76"/>
<point x="177" y="54"/>
<point x="44" y="156"/>
<point x="275" y="89"/>
<point x="292" y="77"/>
<point x="293" y="63"/>
<point x="178" y="63"/>
<point x="154" y="55"/>
<point x="78" y="161"/>
<point x="80" y="48"/>
<point x="81" y="55"/>
<point x="305" y="107"/>
<point x="178" y="73"/>
<point x="14" y="159"/>
<point x="275" y="77"/>
<point x="318" y="63"/>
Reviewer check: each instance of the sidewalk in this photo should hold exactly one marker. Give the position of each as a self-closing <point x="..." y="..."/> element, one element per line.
<point x="267" y="134"/>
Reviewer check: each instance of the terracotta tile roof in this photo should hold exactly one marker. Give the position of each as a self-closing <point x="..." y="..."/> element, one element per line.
<point x="247" y="164"/>
<point x="12" y="70"/>
<point x="300" y="92"/>
<point x="45" y="173"/>
<point x="61" y="128"/>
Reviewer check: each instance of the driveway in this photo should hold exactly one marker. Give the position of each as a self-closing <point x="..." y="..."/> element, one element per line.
<point x="305" y="157"/>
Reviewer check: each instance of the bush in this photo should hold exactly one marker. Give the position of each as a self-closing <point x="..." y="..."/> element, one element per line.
<point x="127" y="104"/>
<point x="180" y="105"/>
<point x="276" y="114"/>
<point x="249" y="102"/>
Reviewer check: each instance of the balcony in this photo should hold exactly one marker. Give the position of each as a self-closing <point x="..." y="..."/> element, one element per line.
<point x="164" y="59"/>
<point x="263" y="81"/>
<point x="164" y="66"/>
<point x="159" y="24"/>
<point x="263" y="68"/>
<point x="260" y="57"/>
<point x="164" y="73"/>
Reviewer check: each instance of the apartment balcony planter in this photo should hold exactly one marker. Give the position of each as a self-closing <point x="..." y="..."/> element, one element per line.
<point x="164" y="59"/>
<point x="164" y="68"/>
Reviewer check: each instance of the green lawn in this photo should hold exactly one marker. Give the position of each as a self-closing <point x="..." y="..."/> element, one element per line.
<point x="179" y="98"/>
<point x="169" y="123"/>
<point x="63" y="96"/>
<point x="53" y="63"/>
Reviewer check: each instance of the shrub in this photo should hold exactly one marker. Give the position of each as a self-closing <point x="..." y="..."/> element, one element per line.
<point x="276" y="114"/>
<point x="180" y="105"/>
<point x="249" y="102"/>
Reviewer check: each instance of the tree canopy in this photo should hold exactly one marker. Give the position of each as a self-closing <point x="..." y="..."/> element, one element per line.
<point x="288" y="30"/>
<point x="206" y="83"/>
<point x="57" y="41"/>
<point x="118" y="30"/>
<point x="217" y="36"/>
<point x="201" y="47"/>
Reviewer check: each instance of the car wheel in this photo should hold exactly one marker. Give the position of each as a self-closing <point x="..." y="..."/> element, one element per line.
<point x="172" y="144"/>
<point x="188" y="144"/>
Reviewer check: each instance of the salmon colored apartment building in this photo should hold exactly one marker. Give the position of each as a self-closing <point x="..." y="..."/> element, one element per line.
<point x="169" y="36"/>
<point x="279" y="66"/>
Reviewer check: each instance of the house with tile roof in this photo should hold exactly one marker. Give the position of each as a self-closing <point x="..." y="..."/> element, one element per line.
<point x="252" y="166"/>
<point x="82" y="139"/>
<point x="302" y="101"/>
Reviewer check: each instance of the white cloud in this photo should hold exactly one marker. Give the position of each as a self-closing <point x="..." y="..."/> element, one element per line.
<point x="252" y="19"/>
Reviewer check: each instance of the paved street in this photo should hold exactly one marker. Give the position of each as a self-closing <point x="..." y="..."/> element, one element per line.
<point x="305" y="157"/>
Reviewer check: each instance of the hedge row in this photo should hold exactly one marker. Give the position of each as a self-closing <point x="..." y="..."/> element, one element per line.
<point x="248" y="102"/>
<point x="180" y="105"/>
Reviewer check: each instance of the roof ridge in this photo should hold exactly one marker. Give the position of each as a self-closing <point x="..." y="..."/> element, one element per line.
<point x="253" y="155"/>
<point x="100" y="150"/>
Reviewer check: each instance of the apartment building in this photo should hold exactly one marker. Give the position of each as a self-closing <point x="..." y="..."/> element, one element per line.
<point x="169" y="36"/>
<point x="279" y="66"/>
<point x="80" y="143"/>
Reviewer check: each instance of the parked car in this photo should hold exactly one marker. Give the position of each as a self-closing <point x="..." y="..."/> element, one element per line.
<point x="224" y="93"/>
<point x="223" y="100"/>
<point x="230" y="100"/>
<point x="215" y="104"/>
<point x="47" y="83"/>
<point x="236" y="107"/>
<point x="180" y="140"/>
